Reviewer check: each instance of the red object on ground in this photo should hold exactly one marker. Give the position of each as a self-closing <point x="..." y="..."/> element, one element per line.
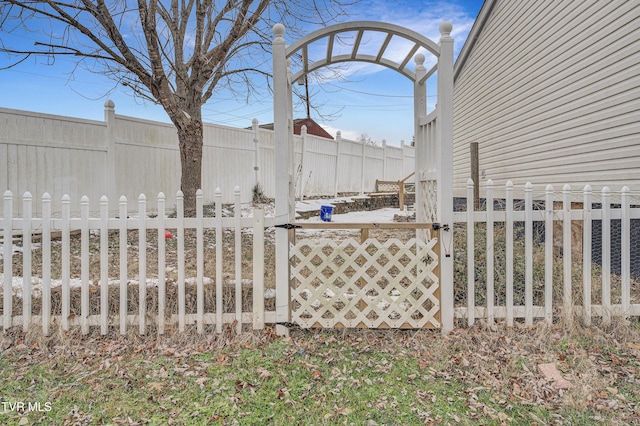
<point x="167" y="234"/>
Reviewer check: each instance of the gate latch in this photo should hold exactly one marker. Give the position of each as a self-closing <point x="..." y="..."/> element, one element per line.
<point x="436" y="226"/>
<point x="288" y="226"/>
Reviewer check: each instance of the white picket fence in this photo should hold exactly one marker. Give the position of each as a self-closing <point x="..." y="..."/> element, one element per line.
<point x="26" y="227"/>
<point x="527" y="263"/>
<point x="568" y="228"/>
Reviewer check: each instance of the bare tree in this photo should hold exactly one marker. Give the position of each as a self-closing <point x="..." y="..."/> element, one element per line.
<point x="174" y="53"/>
<point x="367" y="140"/>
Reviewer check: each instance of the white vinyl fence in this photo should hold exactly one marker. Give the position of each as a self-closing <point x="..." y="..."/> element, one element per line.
<point x="522" y="258"/>
<point x="206" y="270"/>
<point x="534" y="259"/>
<point x="129" y="156"/>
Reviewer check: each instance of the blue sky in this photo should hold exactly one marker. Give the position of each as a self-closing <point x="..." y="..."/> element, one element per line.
<point x="371" y="100"/>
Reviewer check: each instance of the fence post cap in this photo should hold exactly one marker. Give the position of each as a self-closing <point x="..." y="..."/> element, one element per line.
<point x="279" y="30"/>
<point x="445" y="28"/>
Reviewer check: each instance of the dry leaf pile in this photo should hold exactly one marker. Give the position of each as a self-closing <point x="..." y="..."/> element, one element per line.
<point x="542" y="375"/>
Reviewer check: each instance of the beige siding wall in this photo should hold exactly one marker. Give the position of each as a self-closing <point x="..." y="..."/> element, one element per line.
<point x="551" y="93"/>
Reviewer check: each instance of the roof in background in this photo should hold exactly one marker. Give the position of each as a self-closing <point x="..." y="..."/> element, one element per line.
<point x="313" y="128"/>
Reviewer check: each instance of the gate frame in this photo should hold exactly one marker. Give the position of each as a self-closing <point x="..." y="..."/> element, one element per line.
<point x="433" y="141"/>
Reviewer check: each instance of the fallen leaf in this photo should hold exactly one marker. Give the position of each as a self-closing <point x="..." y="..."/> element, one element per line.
<point x="343" y="411"/>
<point x="263" y="373"/>
<point x="550" y="372"/>
<point x="156" y="386"/>
<point x="633" y="346"/>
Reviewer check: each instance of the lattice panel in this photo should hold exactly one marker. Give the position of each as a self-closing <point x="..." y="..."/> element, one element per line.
<point x="375" y="285"/>
<point x="388" y="187"/>
<point x="429" y="190"/>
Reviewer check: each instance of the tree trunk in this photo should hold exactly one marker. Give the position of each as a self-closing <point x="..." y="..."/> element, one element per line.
<point x="190" y="137"/>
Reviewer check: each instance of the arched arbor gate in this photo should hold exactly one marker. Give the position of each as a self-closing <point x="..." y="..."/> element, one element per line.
<point x="361" y="294"/>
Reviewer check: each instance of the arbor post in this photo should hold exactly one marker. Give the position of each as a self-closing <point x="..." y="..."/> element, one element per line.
<point x="444" y="155"/>
<point x="283" y="182"/>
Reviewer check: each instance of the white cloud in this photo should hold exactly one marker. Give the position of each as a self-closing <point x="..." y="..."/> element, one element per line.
<point x="351" y="135"/>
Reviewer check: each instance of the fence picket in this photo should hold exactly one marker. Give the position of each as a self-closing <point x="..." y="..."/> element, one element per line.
<point x="219" y="286"/>
<point x="46" y="263"/>
<point x="104" y="265"/>
<point x="27" y="204"/>
<point x="258" y="269"/>
<point x="566" y="254"/>
<point x="199" y="262"/>
<point x="238" y="258"/>
<point x="471" y="301"/>
<point x="548" y="255"/>
<point x="528" y="254"/>
<point x="123" y="264"/>
<point x="606" y="256"/>
<point x="84" y="264"/>
<point x="162" y="283"/>
<point x="509" y="253"/>
<point x="7" y="258"/>
<point x="180" y="237"/>
<point x="490" y="253"/>
<point x="142" y="263"/>
<point x="66" y="261"/>
<point x="625" y="252"/>
<point x="586" y="254"/>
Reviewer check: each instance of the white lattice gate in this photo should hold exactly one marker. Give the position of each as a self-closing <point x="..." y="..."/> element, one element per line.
<point x="368" y="284"/>
<point x="360" y="298"/>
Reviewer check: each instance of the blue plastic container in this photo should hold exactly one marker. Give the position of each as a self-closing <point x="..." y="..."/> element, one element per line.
<point x="325" y="213"/>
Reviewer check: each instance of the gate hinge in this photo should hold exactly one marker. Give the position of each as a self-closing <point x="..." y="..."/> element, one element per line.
<point x="288" y="226"/>
<point x="286" y="324"/>
<point x="436" y="226"/>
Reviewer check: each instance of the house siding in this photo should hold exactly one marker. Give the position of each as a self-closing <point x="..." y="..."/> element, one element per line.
<point x="551" y="93"/>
